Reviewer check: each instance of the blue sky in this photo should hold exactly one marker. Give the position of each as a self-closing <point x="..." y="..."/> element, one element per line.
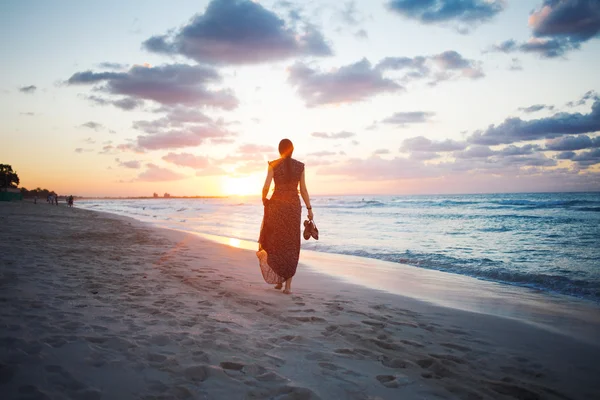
<point x="404" y="96"/>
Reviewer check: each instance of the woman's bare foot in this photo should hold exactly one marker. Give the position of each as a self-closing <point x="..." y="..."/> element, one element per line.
<point x="288" y="286"/>
<point x="278" y="286"/>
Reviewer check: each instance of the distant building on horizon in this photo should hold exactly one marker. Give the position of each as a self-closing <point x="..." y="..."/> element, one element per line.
<point x="155" y="195"/>
<point x="166" y="195"/>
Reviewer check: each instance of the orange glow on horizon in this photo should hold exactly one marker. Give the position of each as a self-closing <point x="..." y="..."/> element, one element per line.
<point x="242" y="186"/>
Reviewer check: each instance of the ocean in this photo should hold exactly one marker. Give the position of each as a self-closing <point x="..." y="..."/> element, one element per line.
<point x="544" y="241"/>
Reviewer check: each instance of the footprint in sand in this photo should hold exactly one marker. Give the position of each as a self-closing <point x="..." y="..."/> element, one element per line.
<point x="448" y="357"/>
<point x="329" y="366"/>
<point x="394" y="381"/>
<point x="515" y="391"/>
<point x="456" y="331"/>
<point x="197" y="373"/>
<point x="412" y="343"/>
<point x="270" y="377"/>
<point x="231" y="365"/>
<point x="350" y="353"/>
<point x="385" y="345"/>
<point x="308" y="319"/>
<point x="396" y="363"/>
<point x="307" y="310"/>
<point x="375" y="324"/>
<point x="434" y="368"/>
<point x="456" y="347"/>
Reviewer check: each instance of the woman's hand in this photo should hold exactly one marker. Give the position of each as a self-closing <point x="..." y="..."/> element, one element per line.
<point x="310" y="214"/>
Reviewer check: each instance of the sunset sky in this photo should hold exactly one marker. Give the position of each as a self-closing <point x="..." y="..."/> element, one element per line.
<point x="127" y="98"/>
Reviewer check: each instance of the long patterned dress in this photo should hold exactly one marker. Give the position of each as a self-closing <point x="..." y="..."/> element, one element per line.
<point x="279" y="241"/>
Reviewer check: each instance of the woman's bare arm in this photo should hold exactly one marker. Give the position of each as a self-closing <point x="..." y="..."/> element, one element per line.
<point x="305" y="196"/>
<point x="267" y="184"/>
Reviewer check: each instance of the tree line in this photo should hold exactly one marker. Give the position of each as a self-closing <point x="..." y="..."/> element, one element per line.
<point x="10" y="179"/>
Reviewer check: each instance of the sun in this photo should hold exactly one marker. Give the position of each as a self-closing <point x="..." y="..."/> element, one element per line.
<point x="242" y="185"/>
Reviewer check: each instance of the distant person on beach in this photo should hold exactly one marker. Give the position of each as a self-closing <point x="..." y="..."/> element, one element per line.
<point x="279" y="242"/>
<point x="70" y="201"/>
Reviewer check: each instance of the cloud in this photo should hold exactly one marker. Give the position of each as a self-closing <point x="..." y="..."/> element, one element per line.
<point x="587" y="158"/>
<point x="113" y="65"/>
<point x="347" y="84"/>
<point x="189" y="137"/>
<point x="422" y="144"/>
<point x="133" y="164"/>
<point x="589" y="95"/>
<point x="463" y="12"/>
<point x="515" y="65"/>
<point x="187" y="160"/>
<point x="250" y="148"/>
<point x="546" y="48"/>
<point x="28" y="113"/>
<point x="338" y="135"/>
<point x="570" y="143"/>
<point x="583" y="159"/>
<point x="448" y="65"/>
<point x="323" y="153"/>
<point x="410" y="117"/>
<point x="176" y="117"/>
<point x="349" y="14"/>
<point x="82" y="150"/>
<point x="239" y="32"/>
<point x="453" y="61"/>
<point x="477" y="161"/>
<point x="28" y="89"/>
<point x="381" y="152"/>
<point x="475" y="152"/>
<point x="125" y="103"/>
<point x="180" y="127"/>
<point x="557" y="27"/>
<point x="361" y="34"/>
<point x="376" y="168"/>
<point x="93" y="125"/>
<point x="573" y="20"/>
<point x="508" y="46"/>
<point x="398" y="63"/>
<point x="514" y="130"/>
<point x="154" y="173"/>
<point x="166" y="84"/>
<point x="535" y="108"/>
<point x="513" y="150"/>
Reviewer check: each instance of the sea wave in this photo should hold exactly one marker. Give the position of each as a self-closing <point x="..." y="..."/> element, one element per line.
<point x="487" y="269"/>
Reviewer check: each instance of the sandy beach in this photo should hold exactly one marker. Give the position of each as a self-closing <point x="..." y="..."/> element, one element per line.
<point x="98" y="306"/>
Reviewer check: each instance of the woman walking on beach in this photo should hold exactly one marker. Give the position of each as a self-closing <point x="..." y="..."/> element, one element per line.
<point x="279" y="242"/>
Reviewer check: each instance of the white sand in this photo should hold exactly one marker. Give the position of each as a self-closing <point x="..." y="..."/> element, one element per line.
<point x="96" y="306"/>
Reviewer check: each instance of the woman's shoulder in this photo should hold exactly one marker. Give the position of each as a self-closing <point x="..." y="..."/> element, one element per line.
<point x="298" y="162"/>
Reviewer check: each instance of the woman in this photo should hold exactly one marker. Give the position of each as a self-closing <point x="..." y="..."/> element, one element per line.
<point x="279" y="242"/>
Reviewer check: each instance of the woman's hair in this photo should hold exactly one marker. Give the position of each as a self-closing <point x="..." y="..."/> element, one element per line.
<point x="286" y="148"/>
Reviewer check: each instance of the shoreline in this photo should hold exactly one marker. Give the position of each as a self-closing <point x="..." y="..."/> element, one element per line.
<point x="553" y="312"/>
<point x="540" y="276"/>
<point x="97" y="305"/>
